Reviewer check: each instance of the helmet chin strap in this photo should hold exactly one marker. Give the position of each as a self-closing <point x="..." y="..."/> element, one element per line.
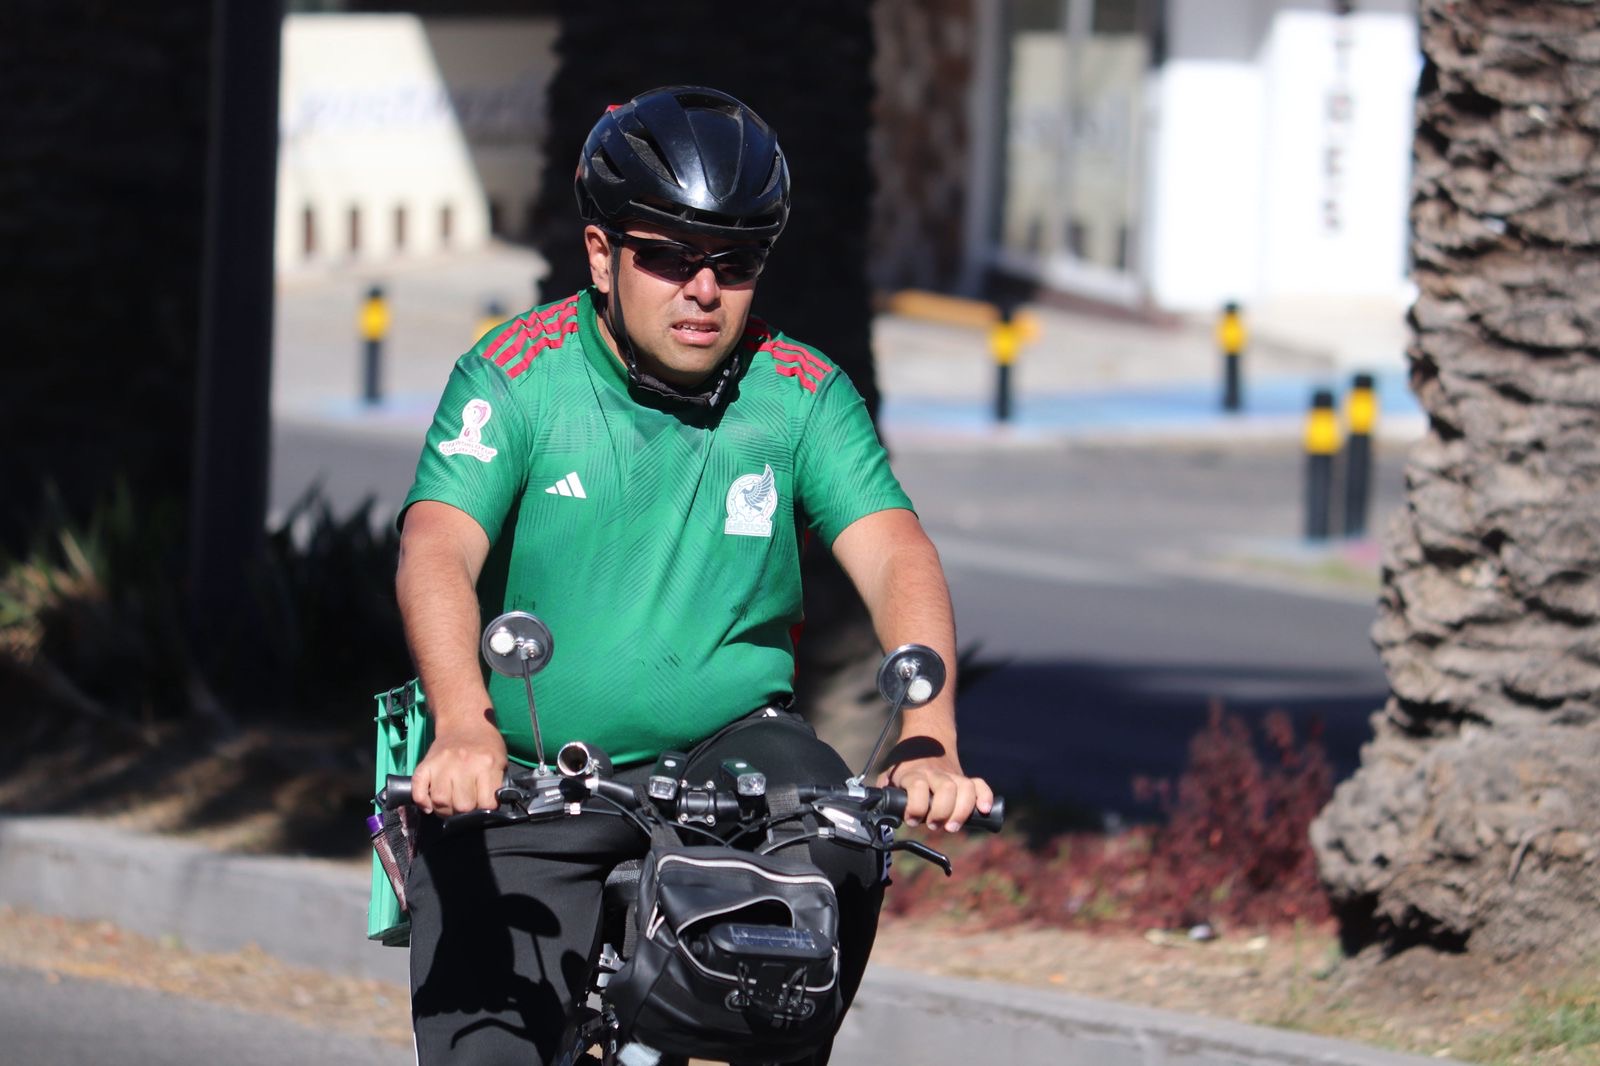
<point x="708" y="394"/>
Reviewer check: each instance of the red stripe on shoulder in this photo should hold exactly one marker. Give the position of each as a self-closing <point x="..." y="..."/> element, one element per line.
<point x="792" y="360"/>
<point x="804" y="356"/>
<point x="499" y="349"/>
<point x="790" y="371"/>
<point x="516" y="347"/>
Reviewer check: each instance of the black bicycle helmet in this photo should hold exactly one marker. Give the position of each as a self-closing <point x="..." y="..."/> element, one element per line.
<point x="691" y="158"/>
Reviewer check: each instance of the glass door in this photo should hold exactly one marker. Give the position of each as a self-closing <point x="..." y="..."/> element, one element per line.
<point x="1075" y="86"/>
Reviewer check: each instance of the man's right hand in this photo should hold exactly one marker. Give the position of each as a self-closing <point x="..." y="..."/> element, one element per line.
<point x="463" y="769"/>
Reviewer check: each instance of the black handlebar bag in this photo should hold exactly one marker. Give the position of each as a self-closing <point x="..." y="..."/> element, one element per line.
<point x="736" y="956"/>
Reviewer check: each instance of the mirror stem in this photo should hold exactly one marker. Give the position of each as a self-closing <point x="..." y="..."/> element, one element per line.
<point x="877" y="749"/>
<point x="533" y="716"/>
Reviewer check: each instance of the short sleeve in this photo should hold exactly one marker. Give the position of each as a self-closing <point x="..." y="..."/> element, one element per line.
<point x="841" y="469"/>
<point x="475" y="454"/>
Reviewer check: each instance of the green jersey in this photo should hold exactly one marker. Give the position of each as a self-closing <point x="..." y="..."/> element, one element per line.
<point x="662" y="546"/>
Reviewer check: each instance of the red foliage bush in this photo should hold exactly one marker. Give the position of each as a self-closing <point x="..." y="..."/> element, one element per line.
<point x="1236" y="845"/>
<point x="1234" y="850"/>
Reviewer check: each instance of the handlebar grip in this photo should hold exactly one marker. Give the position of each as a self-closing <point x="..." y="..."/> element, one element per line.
<point x="991" y="822"/>
<point x="894" y="802"/>
<point x="396" y="792"/>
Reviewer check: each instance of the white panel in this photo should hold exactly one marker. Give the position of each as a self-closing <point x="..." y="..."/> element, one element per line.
<point x="1206" y="185"/>
<point x="1240" y="190"/>
<point x="379" y="112"/>
<point x="1338" y="153"/>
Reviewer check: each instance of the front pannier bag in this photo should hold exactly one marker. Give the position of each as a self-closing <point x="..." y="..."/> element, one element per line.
<point x="736" y="956"/>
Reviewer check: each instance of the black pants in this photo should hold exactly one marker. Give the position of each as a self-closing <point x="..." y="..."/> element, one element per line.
<point x="505" y="922"/>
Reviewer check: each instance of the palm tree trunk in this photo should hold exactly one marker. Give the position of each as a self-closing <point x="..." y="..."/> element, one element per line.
<point x="1473" y="821"/>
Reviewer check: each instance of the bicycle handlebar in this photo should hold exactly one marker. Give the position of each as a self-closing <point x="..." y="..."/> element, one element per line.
<point x="699" y="804"/>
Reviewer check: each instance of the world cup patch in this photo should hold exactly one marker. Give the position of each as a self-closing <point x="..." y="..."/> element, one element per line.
<point x="474" y="417"/>
<point x="752" y="500"/>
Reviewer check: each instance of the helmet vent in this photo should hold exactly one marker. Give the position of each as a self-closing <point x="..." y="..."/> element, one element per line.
<point x="648" y="152"/>
<point x="774" y="176"/>
<point x="604" y="167"/>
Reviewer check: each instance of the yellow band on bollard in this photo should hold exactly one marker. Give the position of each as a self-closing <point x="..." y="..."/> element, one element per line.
<point x="1003" y="343"/>
<point x="1322" y="432"/>
<point x="374" y="319"/>
<point x="1231" y="334"/>
<point x="1361" y="412"/>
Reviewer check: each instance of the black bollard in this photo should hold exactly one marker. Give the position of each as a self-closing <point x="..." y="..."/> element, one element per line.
<point x="1361" y="415"/>
<point x="1003" y="345"/>
<point x="374" y="324"/>
<point x="1231" y="340"/>
<point x="1322" y="444"/>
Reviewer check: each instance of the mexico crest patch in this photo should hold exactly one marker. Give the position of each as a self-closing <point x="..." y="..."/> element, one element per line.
<point x="752" y="499"/>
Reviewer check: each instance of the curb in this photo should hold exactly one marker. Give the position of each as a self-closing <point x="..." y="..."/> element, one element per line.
<point x="313" y="914"/>
<point x="912" y="1017"/>
<point x="305" y="912"/>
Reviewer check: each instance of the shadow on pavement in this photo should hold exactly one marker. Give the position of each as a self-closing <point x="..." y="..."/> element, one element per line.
<point x="1078" y="733"/>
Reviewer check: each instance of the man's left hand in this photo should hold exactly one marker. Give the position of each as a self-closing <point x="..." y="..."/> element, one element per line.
<point x="938" y="792"/>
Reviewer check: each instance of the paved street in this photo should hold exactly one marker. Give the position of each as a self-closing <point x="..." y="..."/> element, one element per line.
<point x="1118" y="590"/>
<point x="64" y="1021"/>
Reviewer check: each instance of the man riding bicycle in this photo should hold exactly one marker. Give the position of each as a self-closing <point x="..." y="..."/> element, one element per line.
<point x="640" y="463"/>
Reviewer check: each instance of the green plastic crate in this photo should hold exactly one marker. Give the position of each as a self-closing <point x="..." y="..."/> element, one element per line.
<point x="404" y="733"/>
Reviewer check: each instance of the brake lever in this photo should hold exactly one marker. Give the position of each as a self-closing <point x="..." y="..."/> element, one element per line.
<point x="922" y="851"/>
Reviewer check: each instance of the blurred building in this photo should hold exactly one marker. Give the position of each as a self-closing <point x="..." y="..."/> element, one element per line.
<point x="403" y="135"/>
<point x="1167" y="154"/>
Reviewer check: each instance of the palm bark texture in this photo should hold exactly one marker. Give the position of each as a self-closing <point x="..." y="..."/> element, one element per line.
<point x="1473" y="822"/>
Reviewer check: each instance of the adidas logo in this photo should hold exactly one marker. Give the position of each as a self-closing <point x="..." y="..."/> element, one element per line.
<point x="568" y="486"/>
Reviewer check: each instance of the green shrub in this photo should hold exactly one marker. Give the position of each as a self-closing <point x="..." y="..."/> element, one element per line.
<point x="93" y="635"/>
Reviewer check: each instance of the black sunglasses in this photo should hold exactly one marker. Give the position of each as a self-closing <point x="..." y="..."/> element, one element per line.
<point x="679" y="262"/>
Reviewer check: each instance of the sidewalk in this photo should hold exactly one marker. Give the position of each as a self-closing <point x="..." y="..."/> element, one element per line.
<point x="313" y="914"/>
<point x="1091" y="378"/>
<point x="1084" y="377"/>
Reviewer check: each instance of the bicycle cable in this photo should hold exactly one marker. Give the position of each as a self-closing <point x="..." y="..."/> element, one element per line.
<point x="621" y="812"/>
<point x="771" y="820"/>
<point x="644" y="827"/>
<point x="697" y="829"/>
<point x="763" y="825"/>
<point x="815" y="834"/>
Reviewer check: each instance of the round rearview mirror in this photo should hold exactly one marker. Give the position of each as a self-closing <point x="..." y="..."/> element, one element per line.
<point x="912" y="673"/>
<point x="517" y="644"/>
